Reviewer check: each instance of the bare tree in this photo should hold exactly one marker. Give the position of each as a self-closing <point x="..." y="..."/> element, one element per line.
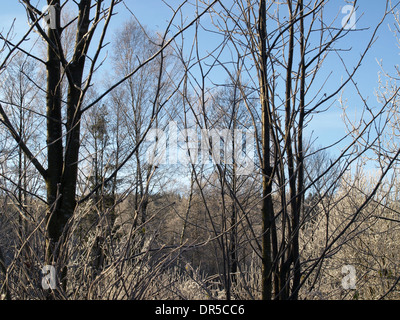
<point x="279" y="40"/>
<point x="77" y="67"/>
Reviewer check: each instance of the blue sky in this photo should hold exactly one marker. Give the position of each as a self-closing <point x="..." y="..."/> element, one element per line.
<point x="328" y="126"/>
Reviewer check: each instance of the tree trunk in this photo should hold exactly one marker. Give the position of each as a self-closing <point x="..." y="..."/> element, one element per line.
<point x="54" y="140"/>
<point x="63" y="167"/>
<point x="267" y="205"/>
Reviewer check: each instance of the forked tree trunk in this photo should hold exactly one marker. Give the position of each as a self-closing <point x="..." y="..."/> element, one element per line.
<point x="62" y="173"/>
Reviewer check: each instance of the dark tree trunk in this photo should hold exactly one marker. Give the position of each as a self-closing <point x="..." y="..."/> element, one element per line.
<point x="62" y="171"/>
<point x="267" y="205"/>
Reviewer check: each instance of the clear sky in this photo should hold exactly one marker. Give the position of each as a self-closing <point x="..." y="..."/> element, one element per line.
<point x="327" y="126"/>
<point x="385" y="49"/>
